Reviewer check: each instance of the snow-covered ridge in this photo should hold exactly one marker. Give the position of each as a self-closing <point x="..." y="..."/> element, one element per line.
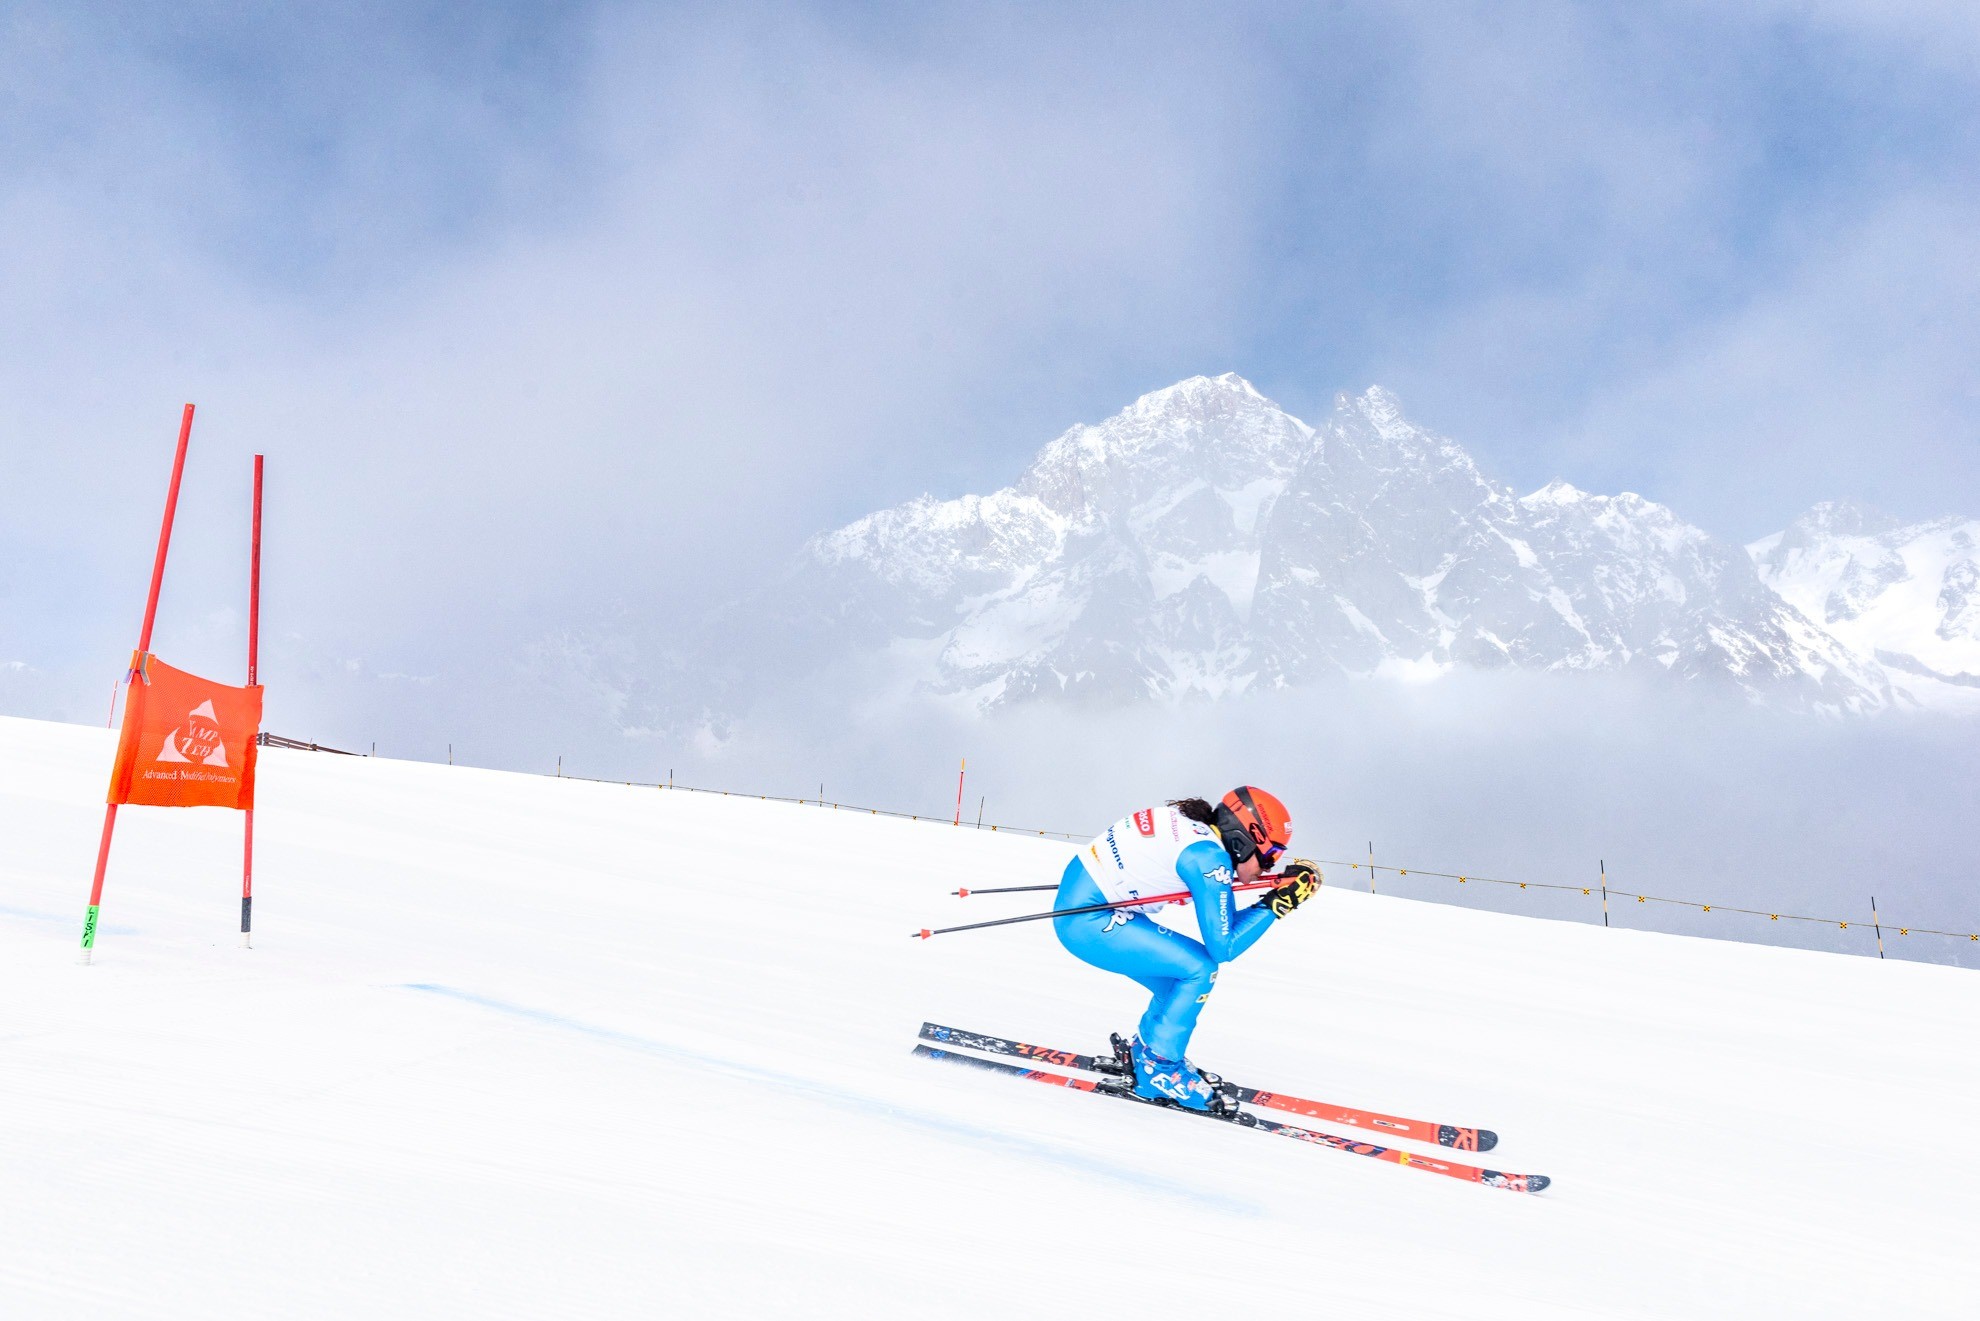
<point x="1203" y="541"/>
<point x="1904" y="596"/>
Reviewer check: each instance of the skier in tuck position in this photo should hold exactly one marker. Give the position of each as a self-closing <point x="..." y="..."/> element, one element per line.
<point x="1206" y="848"/>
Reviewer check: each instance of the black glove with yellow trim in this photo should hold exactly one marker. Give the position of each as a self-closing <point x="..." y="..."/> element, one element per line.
<point x="1297" y="882"/>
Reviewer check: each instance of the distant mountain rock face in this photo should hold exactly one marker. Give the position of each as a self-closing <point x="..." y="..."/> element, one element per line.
<point x="1204" y="542"/>
<point x="1904" y="596"/>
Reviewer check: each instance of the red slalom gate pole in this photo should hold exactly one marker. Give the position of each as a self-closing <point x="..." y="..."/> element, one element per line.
<point x="165" y="531"/>
<point x="254" y="654"/>
<point x="131" y="676"/>
<point x="1179" y="897"/>
<point x="959" y="779"/>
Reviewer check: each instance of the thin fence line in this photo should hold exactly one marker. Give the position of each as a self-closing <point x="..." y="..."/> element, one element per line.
<point x="1841" y="924"/>
<point x="1466" y="878"/>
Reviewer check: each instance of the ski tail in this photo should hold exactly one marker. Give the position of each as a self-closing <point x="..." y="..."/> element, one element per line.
<point x="1065" y="1059"/>
<point x="1009" y="1070"/>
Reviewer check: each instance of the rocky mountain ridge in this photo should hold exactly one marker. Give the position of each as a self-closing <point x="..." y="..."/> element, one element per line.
<point x="1203" y="542"/>
<point x="1903" y="596"/>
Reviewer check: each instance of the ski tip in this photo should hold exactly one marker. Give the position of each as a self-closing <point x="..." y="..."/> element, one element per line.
<point x="1537" y="1183"/>
<point x="1487" y="1139"/>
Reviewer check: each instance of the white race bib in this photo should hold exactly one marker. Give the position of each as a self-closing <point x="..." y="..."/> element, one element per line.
<point x="1136" y="856"/>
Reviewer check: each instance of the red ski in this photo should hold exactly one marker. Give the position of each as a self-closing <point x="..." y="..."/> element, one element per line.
<point x="1417" y="1130"/>
<point x="1520" y="1183"/>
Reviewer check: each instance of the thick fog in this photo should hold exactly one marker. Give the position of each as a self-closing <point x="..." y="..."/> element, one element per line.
<point x="1536" y="778"/>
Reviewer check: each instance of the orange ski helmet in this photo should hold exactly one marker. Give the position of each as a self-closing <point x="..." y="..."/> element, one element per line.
<point x="1263" y="818"/>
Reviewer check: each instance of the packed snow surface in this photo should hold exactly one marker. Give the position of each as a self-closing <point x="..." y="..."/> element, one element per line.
<point x="510" y="1046"/>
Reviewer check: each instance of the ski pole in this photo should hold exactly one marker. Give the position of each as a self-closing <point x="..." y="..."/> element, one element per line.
<point x="1002" y="889"/>
<point x="1180" y="896"/>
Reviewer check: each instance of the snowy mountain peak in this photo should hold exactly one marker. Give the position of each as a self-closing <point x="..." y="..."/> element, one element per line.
<point x="1904" y="596"/>
<point x="1378" y="405"/>
<point x="1214" y="428"/>
<point x="1556" y="492"/>
<point x="1229" y="382"/>
<point x="1195" y="396"/>
<point x="1842" y="518"/>
<point x="1203" y="541"/>
<point x="1378" y="409"/>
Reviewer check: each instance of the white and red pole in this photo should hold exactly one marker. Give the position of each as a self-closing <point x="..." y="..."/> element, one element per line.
<point x="254" y="654"/>
<point x="131" y="676"/>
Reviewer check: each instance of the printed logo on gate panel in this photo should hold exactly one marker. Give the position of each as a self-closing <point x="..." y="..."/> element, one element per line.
<point x="1144" y="821"/>
<point x="197" y="740"/>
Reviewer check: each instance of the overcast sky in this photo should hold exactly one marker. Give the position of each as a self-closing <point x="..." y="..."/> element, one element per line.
<point x="550" y="314"/>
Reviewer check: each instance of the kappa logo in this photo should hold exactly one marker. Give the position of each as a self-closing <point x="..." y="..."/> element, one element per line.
<point x="1144" y="821"/>
<point x="197" y="740"/>
<point x="1221" y="875"/>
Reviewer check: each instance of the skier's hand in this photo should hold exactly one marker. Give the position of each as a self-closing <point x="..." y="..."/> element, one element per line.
<point x="1298" y="880"/>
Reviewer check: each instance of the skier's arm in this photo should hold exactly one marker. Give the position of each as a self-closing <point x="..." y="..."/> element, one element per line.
<point x="1206" y="869"/>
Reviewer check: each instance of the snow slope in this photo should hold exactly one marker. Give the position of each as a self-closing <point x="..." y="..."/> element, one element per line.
<point x="518" y="1047"/>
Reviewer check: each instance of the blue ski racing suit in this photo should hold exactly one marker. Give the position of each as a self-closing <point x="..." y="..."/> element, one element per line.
<point x="1158" y="851"/>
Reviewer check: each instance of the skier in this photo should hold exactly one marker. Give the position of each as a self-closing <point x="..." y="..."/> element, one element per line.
<point x="1205" y="848"/>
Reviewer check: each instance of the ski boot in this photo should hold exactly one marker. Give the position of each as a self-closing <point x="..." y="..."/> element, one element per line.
<point x="1227" y="1092"/>
<point x="1122" y="1065"/>
<point x="1175" y="1082"/>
